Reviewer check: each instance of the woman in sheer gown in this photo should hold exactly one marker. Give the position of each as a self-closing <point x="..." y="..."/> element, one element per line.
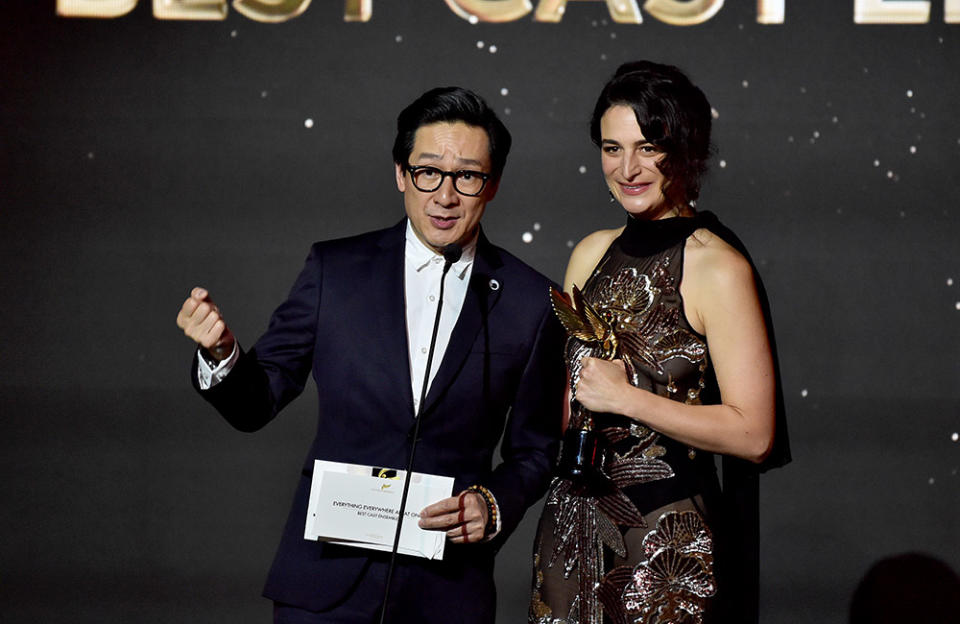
<point x="669" y="363"/>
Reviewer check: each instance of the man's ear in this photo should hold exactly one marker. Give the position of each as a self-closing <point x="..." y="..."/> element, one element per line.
<point x="401" y="178"/>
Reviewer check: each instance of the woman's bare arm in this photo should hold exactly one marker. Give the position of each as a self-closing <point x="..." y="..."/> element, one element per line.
<point x="721" y="302"/>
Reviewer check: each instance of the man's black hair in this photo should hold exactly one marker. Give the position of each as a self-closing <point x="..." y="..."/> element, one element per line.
<point x="451" y="104"/>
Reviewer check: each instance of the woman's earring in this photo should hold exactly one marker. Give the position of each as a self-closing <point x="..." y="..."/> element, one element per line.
<point x="612" y="198"/>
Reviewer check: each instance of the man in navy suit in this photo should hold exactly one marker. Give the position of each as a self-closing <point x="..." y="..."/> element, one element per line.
<point x="360" y="317"/>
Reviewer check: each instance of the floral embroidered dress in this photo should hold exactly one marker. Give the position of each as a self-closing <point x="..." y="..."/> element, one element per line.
<point x="634" y="543"/>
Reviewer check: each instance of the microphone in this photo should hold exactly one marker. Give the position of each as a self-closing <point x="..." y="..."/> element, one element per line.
<point x="451" y="253"/>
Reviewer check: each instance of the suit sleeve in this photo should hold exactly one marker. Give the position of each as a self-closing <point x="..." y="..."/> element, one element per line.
<point x="531" y="438"/>
<point x="275" y="370"/>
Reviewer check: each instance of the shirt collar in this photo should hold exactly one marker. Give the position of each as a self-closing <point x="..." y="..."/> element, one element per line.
<point x="420" y="256"/>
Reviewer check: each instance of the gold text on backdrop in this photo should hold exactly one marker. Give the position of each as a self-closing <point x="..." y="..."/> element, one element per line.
<point x="675" y="12"/>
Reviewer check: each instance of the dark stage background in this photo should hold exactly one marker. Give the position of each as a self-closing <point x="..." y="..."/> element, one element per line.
<point x="140" y="157"/>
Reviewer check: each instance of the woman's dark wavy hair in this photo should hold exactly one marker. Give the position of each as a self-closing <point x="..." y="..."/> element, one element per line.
<point x="673" y="114"/>
<point x="451" y="104"/>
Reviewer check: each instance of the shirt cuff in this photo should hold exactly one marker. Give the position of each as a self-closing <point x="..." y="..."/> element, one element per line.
<point x="209" y="373"/>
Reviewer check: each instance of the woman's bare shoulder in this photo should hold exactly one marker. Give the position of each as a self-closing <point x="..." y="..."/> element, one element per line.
<point x="715" y="275"/>
<point x="597" y="242"/>
<point x="586" y="255"/>
<point x="711" y="257"/>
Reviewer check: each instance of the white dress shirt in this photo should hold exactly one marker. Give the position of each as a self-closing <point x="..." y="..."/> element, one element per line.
<point x="423" y="268"/>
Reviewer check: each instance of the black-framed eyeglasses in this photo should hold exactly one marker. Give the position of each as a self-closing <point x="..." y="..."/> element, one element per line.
<point x="465" y="181"/>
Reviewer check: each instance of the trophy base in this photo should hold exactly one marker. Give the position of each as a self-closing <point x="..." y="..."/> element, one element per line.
<point x="582" y="457"/>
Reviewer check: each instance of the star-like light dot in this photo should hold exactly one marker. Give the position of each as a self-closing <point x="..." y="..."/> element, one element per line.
<point x="263" y="94"/>
<point x="804" y="393"/>
<point x="398" y="38"/>
<point x="949" y="281"/>
<point x="913" y="149"/>
<point x="569" y="244"/>
<point x="957" y="305"/>
<point x="890" y="174"/>
<point x="90" y="155"/>
<point x="480" y="45"/>
<point x="876" y="162"/>
<point x="816" y="134"/>
<point x="536" y="227"/>
<point x="473" y="19"/>
<point x="582" y="169"/>
<point x="909" y="93"/>
<point x="507" y="111"/>
<point x="745" y="84"/>
<point x="931" y="480"/>
<point x="715" y="113"/>
<point x="955" y="437"/>
<point x="493" y="49"/>
<point x="233" y="33"/>
<point x="308" y="123"/>
<point x="723" y="164"/>
<point x="527" y="237"/>
<point x="504" y="91"/>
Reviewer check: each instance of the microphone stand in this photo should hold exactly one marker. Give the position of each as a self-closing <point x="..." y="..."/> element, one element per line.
<point x="451" y="253"/>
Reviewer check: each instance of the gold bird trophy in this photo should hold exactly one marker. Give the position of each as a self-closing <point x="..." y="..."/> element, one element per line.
<point x="582" y="456"/>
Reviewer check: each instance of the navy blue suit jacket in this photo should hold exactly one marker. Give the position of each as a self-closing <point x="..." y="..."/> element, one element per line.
<point x="344" y="321"/>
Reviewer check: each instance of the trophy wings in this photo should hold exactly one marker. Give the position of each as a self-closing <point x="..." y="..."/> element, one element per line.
<point x="583" y="322"/>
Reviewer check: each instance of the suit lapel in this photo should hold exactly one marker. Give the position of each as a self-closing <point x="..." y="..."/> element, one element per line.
<point x="390" y="320"/>
<point x="482" y="295"/>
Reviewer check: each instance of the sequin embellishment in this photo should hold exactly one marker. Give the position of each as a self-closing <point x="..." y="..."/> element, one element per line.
<point x="672" y="585"/>
<point x="670" y="575"/>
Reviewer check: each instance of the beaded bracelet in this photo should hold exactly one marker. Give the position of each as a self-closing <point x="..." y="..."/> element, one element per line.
<point x="491" y="525"/>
